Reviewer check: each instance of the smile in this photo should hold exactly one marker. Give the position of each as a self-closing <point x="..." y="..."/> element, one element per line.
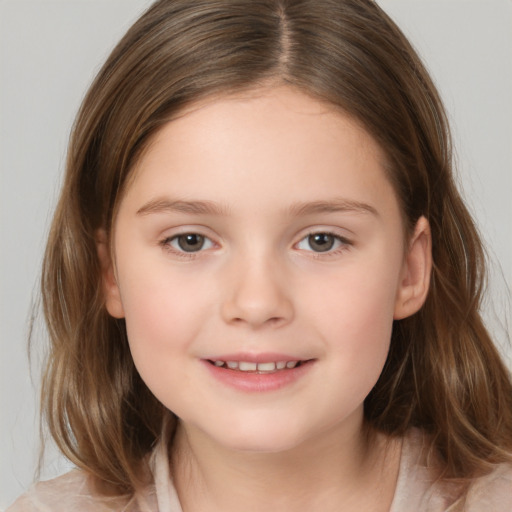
<point x="248" y="366"/>
<point x="258" y="373"/>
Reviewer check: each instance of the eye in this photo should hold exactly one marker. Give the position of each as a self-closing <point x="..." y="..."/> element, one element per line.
<point x="321" y="242"/>
<point x="189" y="242"/>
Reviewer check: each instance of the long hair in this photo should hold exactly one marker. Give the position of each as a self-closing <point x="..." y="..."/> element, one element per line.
<point x="443" y="373"/>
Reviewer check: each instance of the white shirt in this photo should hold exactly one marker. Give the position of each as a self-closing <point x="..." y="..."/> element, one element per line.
<point x="416" y="490"/>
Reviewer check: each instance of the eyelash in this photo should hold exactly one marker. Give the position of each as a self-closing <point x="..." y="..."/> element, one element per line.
<point x="166" y="243"/>
<point x="343" y="244"/>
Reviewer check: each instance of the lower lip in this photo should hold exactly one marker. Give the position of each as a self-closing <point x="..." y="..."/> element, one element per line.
<point x="253" y="382"/>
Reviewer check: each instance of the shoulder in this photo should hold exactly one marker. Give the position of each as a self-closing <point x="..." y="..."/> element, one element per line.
<point x="71" y="491"/>
<point x="491" y="492"/>
<point x="419" y="487"/>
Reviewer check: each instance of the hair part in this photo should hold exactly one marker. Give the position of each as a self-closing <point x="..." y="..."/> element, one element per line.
<point x="443" y="373"/>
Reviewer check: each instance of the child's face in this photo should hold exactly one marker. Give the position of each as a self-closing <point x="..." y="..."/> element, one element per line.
<point x="262" y="229"/>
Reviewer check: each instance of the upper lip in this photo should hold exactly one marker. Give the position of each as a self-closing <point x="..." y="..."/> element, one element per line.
<point x="267" y="357"/>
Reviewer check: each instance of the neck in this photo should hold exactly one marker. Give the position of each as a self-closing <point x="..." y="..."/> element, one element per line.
<point x="354" y="469"/>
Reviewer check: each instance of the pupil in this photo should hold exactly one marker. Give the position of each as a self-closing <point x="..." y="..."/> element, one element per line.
<point x="191" y="242"/>
<point x="321" y="242"/>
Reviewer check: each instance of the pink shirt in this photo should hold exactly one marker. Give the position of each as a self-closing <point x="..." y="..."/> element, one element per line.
<point x="416" y="490"/>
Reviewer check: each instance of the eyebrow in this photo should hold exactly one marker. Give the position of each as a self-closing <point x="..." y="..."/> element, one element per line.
<point x="192" y="207"/>
<point x="332" y="206"/>
<point x="165" y="205"/>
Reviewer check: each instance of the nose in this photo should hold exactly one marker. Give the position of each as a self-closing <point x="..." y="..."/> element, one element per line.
<point x="257" y="294"/>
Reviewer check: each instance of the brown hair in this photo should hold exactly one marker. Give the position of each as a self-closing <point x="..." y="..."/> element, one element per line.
<point x="443" y="373"/>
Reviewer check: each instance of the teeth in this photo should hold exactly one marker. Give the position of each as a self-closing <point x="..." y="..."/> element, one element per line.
<point x="266" y="367"/>
<point x="246" y="366"/>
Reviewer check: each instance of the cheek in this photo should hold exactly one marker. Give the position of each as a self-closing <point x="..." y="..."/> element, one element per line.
<point x="355" y="316"/>
<point x="359" y="298"/>
<point x="163" y="315"/>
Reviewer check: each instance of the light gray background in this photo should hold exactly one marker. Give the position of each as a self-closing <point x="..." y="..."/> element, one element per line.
<point x="49" y="52"/>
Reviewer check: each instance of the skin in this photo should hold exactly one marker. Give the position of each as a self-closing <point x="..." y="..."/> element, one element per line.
<point x="252" y="174"/>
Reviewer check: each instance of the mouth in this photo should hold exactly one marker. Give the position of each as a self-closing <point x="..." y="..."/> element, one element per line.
<point x="258" y="368"/>
<point x="257" y="373"/>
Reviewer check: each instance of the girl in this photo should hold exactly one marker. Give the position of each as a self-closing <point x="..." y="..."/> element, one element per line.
<point x="261" y="285"/>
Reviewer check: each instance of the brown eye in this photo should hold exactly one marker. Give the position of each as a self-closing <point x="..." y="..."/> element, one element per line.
<point x="321" y="242"/>
<point x="190" y="242"/>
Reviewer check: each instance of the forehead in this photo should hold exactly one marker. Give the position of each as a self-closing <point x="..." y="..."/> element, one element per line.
<point x="261" y="141"/>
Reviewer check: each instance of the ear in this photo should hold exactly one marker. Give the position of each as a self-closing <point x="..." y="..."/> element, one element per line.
<point x="111" y="291"/>
<point x="415" y="277"/>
